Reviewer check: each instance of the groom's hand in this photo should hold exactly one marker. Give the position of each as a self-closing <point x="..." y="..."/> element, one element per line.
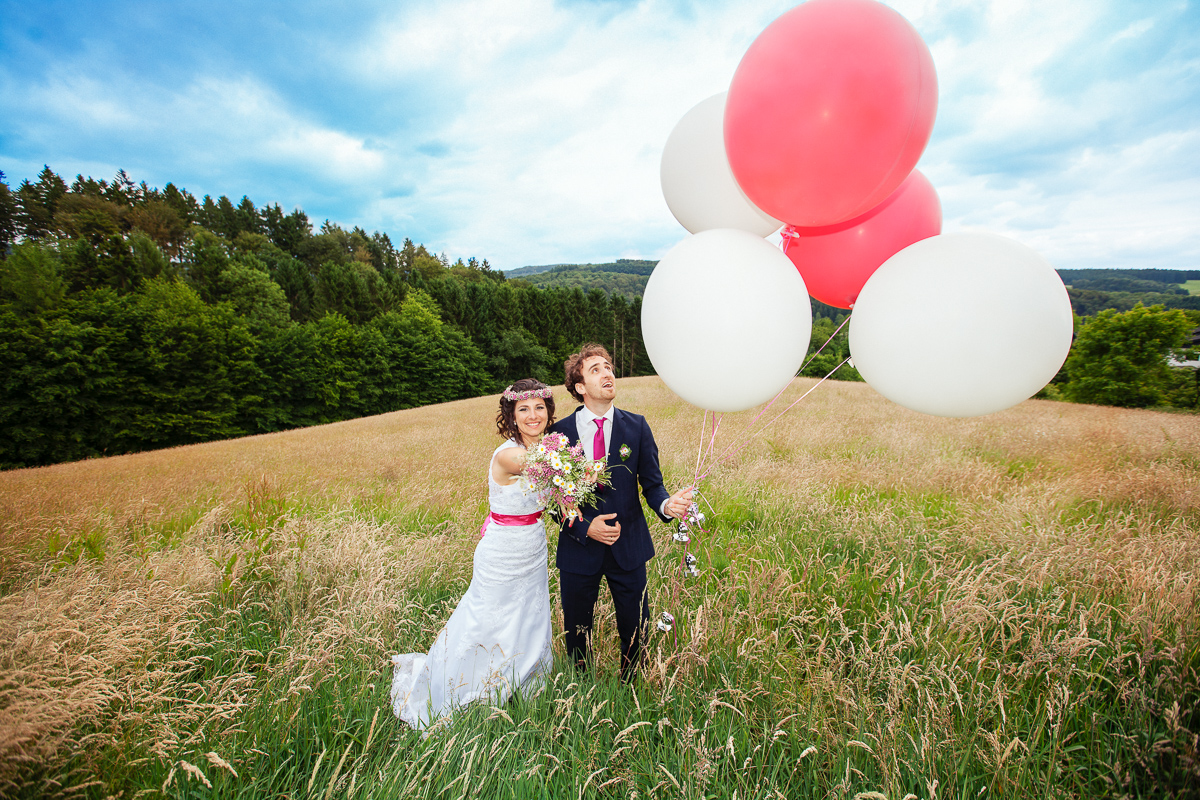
<point x="679" y="503"/>
<point x="601" y="531"/>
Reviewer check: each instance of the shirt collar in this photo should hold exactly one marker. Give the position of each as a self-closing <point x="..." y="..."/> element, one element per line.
<point x="588" y="417"/>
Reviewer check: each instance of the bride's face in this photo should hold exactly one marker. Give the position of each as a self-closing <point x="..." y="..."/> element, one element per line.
<point x="530" y="416"/>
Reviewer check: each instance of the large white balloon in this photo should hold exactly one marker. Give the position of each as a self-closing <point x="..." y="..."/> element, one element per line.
<point x="961" y="324"/>
<point x="696" y="179"/>
<point x="726" y="320"/>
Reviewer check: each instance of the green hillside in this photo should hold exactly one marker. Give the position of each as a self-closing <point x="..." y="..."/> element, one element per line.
<point x="624" y="277"/>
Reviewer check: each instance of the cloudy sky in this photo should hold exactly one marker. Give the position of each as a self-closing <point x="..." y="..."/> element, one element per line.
<point x="530" y="131"/>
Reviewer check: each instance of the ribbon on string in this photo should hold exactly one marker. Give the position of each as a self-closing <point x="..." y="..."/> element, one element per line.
<point x="787" y="234"/>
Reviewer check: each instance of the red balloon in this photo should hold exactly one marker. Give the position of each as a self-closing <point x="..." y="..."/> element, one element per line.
<point x="829" y="110"/>
<point x="836" y="260"/>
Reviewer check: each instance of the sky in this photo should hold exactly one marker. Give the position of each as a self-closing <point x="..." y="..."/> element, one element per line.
<point x="530" y="131"/>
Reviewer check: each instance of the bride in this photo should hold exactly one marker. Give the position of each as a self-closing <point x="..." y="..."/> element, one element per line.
<point x="498" y="638"/>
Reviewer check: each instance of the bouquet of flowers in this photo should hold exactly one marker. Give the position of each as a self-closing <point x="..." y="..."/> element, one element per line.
<point x="562" y="476"/>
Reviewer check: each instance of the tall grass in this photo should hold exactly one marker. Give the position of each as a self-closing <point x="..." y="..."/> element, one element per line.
<point x="891" y="605"/>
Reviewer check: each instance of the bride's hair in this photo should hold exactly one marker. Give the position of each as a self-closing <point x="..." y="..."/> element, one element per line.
<point x="506" y="422"/>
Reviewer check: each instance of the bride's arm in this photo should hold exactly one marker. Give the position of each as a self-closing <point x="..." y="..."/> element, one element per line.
<point x="511" y="462"/>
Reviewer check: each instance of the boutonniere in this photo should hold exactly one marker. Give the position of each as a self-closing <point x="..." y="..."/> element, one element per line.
<point x="625" y="452"/>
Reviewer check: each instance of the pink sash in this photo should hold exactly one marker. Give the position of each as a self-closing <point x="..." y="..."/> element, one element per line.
<point x="509" y="519"/>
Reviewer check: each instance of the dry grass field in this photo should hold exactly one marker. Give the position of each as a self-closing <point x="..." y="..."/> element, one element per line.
<point x="891" y="605"/>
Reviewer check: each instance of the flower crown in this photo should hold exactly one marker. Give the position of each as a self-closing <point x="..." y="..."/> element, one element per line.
<point x="545" y="392"/>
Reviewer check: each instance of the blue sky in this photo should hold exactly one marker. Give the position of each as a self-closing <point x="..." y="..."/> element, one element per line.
<point x="530" y="131"/>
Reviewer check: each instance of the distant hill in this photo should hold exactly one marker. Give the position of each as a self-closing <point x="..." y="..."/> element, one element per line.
<point x="1091" y="290"/>
<point x="625" y="276"/>
<point x="524" y="272"/>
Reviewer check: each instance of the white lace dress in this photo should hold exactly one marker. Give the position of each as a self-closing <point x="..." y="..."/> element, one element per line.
<point x="498" y="638"/>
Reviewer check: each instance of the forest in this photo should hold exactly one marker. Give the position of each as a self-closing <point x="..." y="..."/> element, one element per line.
<point x="134" y="318"/>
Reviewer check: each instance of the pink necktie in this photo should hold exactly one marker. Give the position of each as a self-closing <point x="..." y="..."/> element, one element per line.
<point x="598" y="440"/>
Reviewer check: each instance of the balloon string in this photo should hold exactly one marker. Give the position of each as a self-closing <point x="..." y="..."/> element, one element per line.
<point x="703" y="453"/>
<point x="712" y="441"/>
<point x="704" y="457"/>
<point x="746" y="429"/>
<point x="739" y="447"/>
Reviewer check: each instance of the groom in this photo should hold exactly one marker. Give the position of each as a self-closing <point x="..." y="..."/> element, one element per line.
<point x="612" y="539"/>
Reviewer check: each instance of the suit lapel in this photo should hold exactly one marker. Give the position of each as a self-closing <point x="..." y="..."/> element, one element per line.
<point x="571" y="426"/>
<point x="619" y="432"/>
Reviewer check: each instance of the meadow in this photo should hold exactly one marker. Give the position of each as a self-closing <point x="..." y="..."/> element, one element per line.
<point x="890" y="606"/>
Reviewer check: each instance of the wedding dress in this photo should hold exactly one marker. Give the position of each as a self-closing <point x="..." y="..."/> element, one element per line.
<point x="498" y="638"/>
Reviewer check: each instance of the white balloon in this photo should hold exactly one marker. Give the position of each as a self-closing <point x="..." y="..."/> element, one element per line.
<point x="961" y="324"/>
<point x="726" y="320"/>
<point x="696" y="179"/>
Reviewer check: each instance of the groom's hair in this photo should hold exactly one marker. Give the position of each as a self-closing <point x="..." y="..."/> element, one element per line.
<point x="506" y="420"/>
<point x="573" y="366"/>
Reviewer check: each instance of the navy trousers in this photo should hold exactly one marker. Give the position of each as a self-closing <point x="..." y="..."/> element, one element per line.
<point x="631" y="603"/>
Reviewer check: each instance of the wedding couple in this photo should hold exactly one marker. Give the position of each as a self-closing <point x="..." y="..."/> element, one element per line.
<point x="498" y="638"/>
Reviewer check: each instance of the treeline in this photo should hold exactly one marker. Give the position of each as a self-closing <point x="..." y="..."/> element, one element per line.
<point x="1165" y="281"/>
<point x="1091" y="290"/>
<point x="134" y="318"/>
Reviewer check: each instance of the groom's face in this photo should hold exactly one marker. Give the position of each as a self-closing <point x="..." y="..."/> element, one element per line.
<point x="598" y="381"/>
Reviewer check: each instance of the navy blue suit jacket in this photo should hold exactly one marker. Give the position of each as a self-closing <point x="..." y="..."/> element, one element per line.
<point x="583" y="556"/>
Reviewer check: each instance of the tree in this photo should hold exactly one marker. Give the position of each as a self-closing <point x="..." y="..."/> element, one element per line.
<point x="30" y="280"/>
<point x="182" y="202"/>
<point x="37" y="204"/>
<point x="8" y="217"/>
<point x="204" y="261"/>
<point x="258" y="299"/>
<point x="833" y="351"/>
<point x="160" y="220"/>
<point x="520" y="356"/>
<point x="149" y="261"/>
<point x="60" y="378"/>
<point x="1120" y="359"/>
<point x="351" y="289"/>
<point x="198" y="379"/>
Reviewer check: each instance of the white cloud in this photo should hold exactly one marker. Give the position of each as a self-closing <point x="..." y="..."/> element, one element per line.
<point x="530" y="131"/>
<point x="259" y="126"/>
<point x="232" y="120"/>
<point x="1135" y="30"/>
<point x="558" y="136"/>
<point x="1123" y="207"/>
<point x="464" y="38"/>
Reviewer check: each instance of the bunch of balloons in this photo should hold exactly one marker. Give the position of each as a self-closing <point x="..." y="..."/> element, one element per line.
<point x="820" y="132"/>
